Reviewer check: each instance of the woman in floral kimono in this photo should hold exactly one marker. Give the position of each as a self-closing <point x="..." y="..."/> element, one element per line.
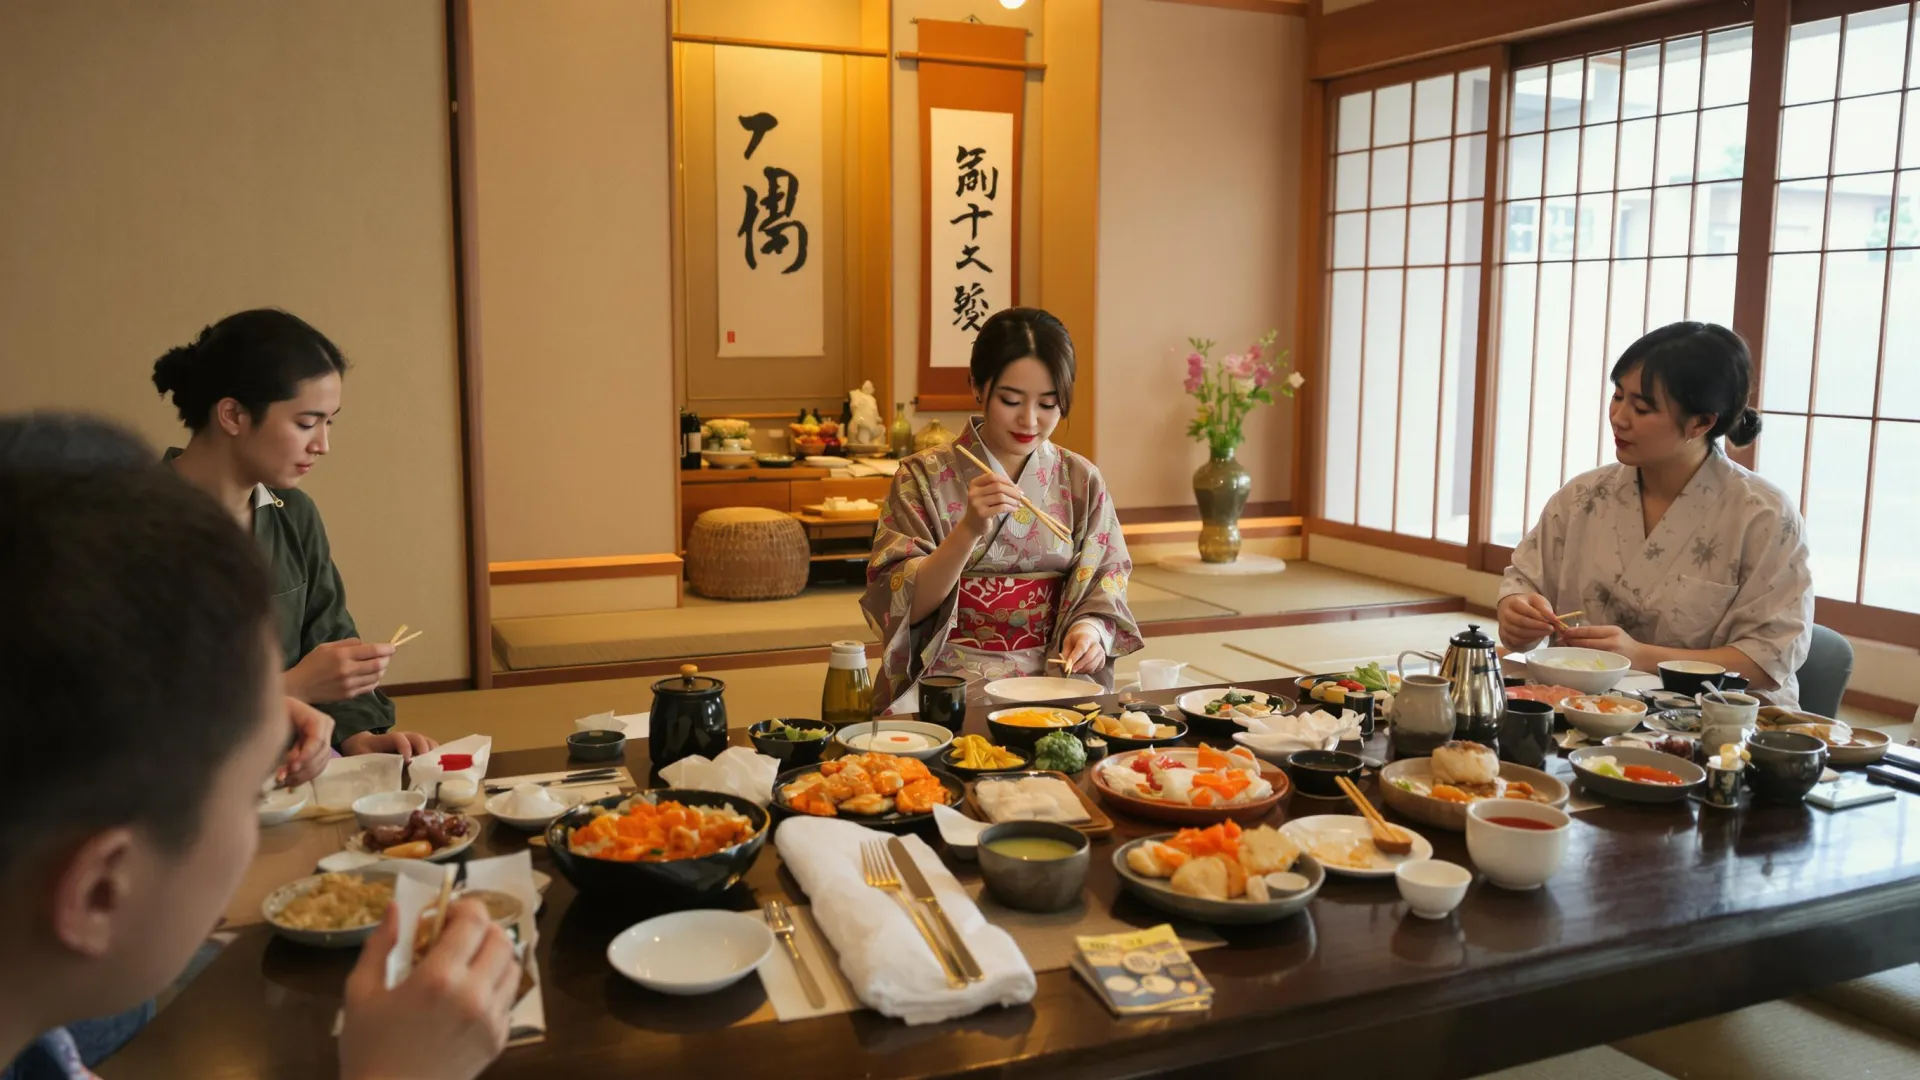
<point x="1674" y="553"/>
<point x="965" y="580"/>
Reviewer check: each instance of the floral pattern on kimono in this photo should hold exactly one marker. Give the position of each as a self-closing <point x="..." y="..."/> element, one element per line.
<point x="1024" y="588"/>
<point x="1725" y="566"/>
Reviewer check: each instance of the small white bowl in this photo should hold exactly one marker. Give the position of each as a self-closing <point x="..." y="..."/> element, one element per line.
<point x="902" y="738"/>
<point x="1432" y="887"/>
<point x="496" y="806"/>
<point x="1517" y="858"/>
<point x="1599" y="725"/>
<point x="282" y="805"/>
<point x="1041" y="688"/>
<point x="691" y="952"/>
<point x="387" y="807"/>
<point x="1540" y="669"/>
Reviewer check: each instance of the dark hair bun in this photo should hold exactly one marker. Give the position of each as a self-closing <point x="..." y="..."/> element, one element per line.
<point x="179" y="373"/>
<point x="1745" y="429"/>
<point x="256" y="357"/>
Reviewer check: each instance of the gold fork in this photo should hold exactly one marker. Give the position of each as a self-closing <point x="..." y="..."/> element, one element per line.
<point x="880" y="874"/>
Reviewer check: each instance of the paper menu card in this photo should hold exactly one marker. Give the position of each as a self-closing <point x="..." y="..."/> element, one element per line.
<point x="1145" y="971"/>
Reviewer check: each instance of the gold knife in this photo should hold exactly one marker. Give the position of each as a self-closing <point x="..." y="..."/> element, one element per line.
<point x="780" y="921"/>
<point x="920" y="890"/>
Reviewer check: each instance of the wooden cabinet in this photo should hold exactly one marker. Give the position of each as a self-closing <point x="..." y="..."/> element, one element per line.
<point x="786" y="490"/>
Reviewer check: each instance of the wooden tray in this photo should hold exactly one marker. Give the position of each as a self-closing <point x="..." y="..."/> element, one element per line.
<point x="1098" y="825"/>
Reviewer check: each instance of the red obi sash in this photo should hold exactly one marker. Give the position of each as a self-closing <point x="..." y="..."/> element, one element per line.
<point x="1005" y="614"/>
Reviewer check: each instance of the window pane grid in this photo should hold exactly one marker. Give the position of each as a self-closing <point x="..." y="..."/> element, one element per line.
<point x="1621" y="213"/>
<point x="1407" y="187"/>
<point x="1834" y="385"/>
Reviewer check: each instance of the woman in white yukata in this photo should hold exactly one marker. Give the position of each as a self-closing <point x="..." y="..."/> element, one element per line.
<point x="1676" y="552"/>
<point x="967" y="581"/>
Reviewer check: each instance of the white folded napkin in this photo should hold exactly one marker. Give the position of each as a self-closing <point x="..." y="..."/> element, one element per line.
<point x="957" y="829"/>
<point x="737" y="770"/>
<point x="883" y="956"/>
<point x="426" y="771"/>
<point x="348" y="778"/>
<point x="1317" y="730"/>
<point x="636" y="725"/>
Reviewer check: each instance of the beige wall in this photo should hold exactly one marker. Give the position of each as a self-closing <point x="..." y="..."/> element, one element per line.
<point x="162" y="165"/>
<point x="573" y="288"/>
<point x="1070" y="205"/>
<point x="1199" y="209"/>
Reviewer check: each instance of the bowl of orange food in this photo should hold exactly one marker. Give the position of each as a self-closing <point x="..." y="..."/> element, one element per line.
<point x="1018" y="729"/>
<point x="1600" y="715"/>
<point x="663" y="845"/>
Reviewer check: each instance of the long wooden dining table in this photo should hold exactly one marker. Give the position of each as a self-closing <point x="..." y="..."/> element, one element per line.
<point x="1661" y="914"/>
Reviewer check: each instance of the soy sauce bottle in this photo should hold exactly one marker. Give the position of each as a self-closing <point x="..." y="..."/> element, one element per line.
<point x="689" y="439"/>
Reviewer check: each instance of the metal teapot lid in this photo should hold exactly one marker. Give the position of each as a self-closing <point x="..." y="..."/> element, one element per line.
<point x="1471" y="638"/>
<point x="689" y="683"/>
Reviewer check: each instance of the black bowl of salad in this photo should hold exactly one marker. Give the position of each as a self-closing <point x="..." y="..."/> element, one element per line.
<point x="1332" y="688"/>
<point x="793" y="742"/>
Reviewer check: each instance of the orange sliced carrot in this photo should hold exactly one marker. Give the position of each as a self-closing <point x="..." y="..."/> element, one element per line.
<point x="1213" y="759"/>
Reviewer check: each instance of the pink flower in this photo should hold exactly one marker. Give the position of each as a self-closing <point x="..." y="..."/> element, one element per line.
<point x="1238" y="366"/>
<point x="1193" y="383"/>
<point x="1256" y="352"/>
<point x="1262" y="374"/>
<point x="1196" y="364"/>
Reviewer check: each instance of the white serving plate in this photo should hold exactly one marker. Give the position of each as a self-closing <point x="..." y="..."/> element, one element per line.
<point x="691" y="952"/>
<point x="1305" y="830"/>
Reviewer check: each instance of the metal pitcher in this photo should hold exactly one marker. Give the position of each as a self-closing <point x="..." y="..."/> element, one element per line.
<point x="1479" y="691"/>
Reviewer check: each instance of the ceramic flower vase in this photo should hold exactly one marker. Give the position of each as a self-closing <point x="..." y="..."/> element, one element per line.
<point x="1221" y="487"/>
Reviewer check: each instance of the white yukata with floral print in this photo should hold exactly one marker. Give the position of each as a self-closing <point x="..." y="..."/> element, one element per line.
<point x="1726" y="565"/>
<point x="1022" y="589"/>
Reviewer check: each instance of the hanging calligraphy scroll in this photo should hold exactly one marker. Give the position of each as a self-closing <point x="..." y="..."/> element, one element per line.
<point x="768" y="185"/>
<point x="970" y="128"/>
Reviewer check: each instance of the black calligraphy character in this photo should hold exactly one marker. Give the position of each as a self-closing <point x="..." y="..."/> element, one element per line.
<point x="973" y="177"/>
<point x="782" y="189"/>
<point x="967" y="258"/>
<point x="759" y="123"/>
<point x="969" y="306"/>
<point x="972" y="218"/>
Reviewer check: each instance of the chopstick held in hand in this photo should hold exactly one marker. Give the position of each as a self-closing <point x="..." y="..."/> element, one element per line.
<point x="1053" y="524"/>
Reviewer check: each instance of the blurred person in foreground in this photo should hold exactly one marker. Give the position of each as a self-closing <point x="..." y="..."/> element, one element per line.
<point x="139" y="616"/>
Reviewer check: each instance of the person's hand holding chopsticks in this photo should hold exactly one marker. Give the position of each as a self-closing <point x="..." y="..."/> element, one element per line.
<point x="1082" y="651"/>
<point x="449" y="1019"/>
<point x="312" y="744"/>
<point x="988" y="497"/>
<point x="338" y="671"/>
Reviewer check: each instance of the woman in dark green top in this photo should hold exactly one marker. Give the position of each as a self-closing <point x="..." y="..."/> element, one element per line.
<point x="259" y="389"/>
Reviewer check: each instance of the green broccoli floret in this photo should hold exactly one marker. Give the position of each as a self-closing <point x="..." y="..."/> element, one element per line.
<point x="1059" y="752"/>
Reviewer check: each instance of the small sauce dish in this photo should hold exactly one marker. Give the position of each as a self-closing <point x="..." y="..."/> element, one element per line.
<point x="387" y="807"/>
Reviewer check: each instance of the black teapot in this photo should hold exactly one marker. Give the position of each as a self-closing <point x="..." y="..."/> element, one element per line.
<point x="689" y="717"/>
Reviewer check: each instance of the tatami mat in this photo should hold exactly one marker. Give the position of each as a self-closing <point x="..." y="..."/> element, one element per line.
<point x="1302" y="586"/>
<point x="1781" y="1040"/>
<point x="1593" y="1063"/>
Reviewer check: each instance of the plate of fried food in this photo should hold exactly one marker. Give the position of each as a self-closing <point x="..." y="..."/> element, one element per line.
<point x="330" y="911"/>
<point x="1221" y="874"/>
<point x="1437" y="790"/>
<point x="880" y="790"/>
<point x="428" y="834"/>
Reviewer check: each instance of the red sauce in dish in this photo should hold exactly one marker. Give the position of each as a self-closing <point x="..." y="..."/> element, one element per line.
<point x="1521" y="823"/>
<point x="1647" y="774"/>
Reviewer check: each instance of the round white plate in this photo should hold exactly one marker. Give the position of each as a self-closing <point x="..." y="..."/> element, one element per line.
<point x="283" y="804"/>
<point x="1306" y="830"/>
<point x="691" y="952"/>
<point x="358" y="843"/>
<point x="497" y="803"/>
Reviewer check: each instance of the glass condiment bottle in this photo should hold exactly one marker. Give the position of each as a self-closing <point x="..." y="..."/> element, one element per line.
<point x="847" y="697"/>
<point x="901" y="436"/>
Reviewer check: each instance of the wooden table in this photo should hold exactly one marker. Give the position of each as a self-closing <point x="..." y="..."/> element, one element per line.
<point x="1660" y="915"/>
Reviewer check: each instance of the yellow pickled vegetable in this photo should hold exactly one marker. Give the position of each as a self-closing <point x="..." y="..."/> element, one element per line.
<point x="975" y="752"/>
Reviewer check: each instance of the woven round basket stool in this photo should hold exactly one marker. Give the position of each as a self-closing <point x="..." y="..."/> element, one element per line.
<point x="747" y="553"/>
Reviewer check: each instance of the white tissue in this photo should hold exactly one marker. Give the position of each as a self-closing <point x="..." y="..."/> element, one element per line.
<point x="1317" y="730"/>
<point x="425" y="770"/>
<point x="532" y="801"/>
<point x="736" y="771"/>
<point x="348" y="778"/>
<point x="957" y="829"/>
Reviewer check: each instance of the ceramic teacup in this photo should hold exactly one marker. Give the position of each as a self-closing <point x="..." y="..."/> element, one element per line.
<point x="1522" y="855"/>
<point x="1726" y="717"/>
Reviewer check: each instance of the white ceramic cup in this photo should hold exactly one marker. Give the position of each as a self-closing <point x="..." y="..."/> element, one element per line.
<point x="1726" y="718"/>
<point x="387" y="808"/>
<point x="1161" y="674"/>
<point x="1514" y="857"/>
<point x="1431" y="887"/>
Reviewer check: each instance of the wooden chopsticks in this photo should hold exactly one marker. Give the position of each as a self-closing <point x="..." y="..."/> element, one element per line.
<point x="1053" y="524"/>
<point x="446" y="897"/>
<point x="398" y="639"/>
<point x="1389" y="839"/>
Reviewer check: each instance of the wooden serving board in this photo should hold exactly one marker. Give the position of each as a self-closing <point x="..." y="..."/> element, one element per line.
<point x="1098" y="825"/>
